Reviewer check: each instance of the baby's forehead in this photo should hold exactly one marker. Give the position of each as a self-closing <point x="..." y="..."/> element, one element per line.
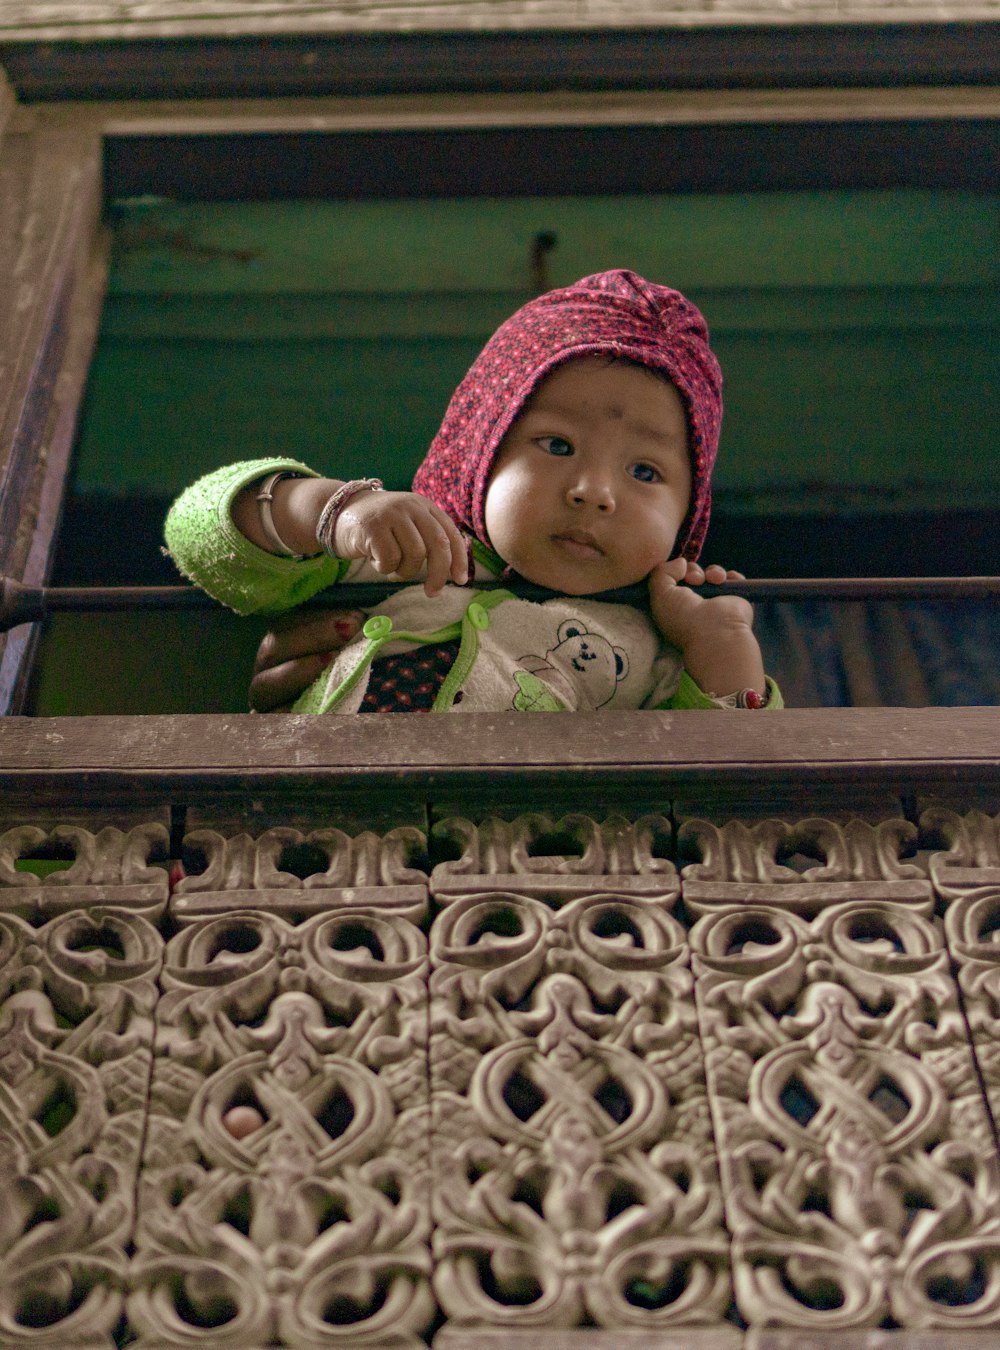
<point x="571" y="381"/>
<point x="612" y="387"/>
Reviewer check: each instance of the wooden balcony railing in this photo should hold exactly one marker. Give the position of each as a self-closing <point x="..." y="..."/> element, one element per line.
<point x="659" y="1029"/>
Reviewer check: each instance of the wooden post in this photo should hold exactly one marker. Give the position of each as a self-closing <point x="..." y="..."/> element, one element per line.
<point x="53" y="270"/>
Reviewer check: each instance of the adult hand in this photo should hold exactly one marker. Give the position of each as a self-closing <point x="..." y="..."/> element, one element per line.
<point x="296" y="651"/>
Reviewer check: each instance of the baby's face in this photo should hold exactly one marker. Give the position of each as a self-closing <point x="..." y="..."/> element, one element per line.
<point x="593" y="480"/>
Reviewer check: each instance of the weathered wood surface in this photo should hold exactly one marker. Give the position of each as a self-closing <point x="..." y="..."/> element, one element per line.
<point x="366" y="52"/>
<point x="52" y="19"/>
<point x="53" y="270"/>
<point x="6" y="102"/>
<point x="558" y="108"/>
<point x="881" y="748"/>
<point x="721" y="1338"/>
<point x="502" y="1107"/>
<point x="624" y="1338"/>
<point x="775" y="1339"/>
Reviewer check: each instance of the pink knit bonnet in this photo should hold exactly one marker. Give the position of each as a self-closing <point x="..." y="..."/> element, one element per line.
<point x="610" y="314"/>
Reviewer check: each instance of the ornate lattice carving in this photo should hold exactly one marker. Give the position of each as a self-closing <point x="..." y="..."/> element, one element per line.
<point x="972" y="922"/>
<point x="109" y="867"/>
<point x="537" y="854"/>
<point x="575" y="1179"/>
<point x="76" y="997"/>
<point x="971" y="853"/>
<point x="331" y="868"/>
<point x="857" y="1158"/>
<point x="850" y="861"/>
<point x="314" y="1227"/>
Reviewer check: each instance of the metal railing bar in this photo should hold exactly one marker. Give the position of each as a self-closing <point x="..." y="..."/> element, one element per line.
<point x="30" y="604"/>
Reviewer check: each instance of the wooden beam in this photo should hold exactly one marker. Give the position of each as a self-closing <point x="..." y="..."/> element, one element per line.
<point x="53" y="271"/>
<point x="89" y="20"/>
<point x="444" y="111"/>
<point x="7" y="102"/>
<point x="588" y="751"/>
<point x="484" y="48"/>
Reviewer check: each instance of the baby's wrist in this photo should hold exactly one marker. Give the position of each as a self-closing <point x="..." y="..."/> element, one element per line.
<point x="727" y="668"/>
<point x="331" y="514"/>
<point x="296" y="509"/>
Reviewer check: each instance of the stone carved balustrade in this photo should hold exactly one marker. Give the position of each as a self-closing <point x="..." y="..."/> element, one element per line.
<point x="525" y="1076"/>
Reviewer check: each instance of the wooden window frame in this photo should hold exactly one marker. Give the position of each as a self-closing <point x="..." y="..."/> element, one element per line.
<point x="53" y="263"/>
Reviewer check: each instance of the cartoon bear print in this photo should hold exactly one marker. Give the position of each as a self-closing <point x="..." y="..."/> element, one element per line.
<point x="579" y="659"/>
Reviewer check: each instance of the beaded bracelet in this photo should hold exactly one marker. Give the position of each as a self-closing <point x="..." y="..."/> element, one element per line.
<point x="326" y="526"/>
<point x="264" y="499"/>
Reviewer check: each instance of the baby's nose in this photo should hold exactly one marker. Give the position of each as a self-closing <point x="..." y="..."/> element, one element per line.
<point x="593" y="488"/>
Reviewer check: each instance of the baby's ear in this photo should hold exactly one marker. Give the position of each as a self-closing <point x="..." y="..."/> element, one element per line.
<point x="621" y="664"/>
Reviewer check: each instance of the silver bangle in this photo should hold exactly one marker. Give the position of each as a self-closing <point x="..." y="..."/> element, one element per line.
<point x="327" y="524"/>
<point x="264" y="499"/>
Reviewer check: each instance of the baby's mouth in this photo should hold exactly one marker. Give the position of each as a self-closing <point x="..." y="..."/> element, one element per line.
<point x="579" y="544"/>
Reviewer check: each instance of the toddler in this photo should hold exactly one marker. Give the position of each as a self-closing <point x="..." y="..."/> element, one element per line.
<point x="577" y="454"/>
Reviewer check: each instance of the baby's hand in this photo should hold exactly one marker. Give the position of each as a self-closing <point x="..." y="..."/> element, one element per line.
<point x="714" y="636"/>
<point x="401" y="532"/>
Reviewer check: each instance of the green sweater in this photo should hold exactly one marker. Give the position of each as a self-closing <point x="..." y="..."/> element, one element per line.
<point x="568" y="653"/>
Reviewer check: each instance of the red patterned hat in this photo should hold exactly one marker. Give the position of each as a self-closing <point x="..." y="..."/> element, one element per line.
<point x="610" y="314"/>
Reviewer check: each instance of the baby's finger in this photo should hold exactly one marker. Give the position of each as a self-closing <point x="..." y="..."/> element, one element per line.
<point x="277" y="687"/>
<point x="715" y="574"/>
<point x="675" y="570"/>
<point x="412" y="547"/>
<point x="383" y="548"/>
<point x="459" y="564"/>
<point x="437" y="546"/>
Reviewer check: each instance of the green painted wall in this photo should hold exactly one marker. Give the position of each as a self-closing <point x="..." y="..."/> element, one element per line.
<point x="857" y="332"/>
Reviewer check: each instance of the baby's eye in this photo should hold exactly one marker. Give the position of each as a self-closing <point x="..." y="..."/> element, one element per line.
<point x="555" y="445"/>
<point x="645" y="473"/>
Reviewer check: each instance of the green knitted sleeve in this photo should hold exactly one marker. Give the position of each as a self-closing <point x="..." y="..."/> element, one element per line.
<point x="210" y="551"/>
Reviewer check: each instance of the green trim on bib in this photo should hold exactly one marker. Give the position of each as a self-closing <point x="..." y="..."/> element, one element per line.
<point x="489" y="559"/>
<point x="480" y="603"/>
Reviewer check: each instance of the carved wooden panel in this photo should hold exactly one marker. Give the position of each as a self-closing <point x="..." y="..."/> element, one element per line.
<point x="291" y="870"/>
<point x="76" y="998"/>
<point x="453" y="1337"/>
<point x="966" y="875"/>
<point x="971" y="854"/>
<point x="869" y="1340"/>
<point x="858" y="1160"/>
<point x="284" y="1197"/>
<point x="574" y="1173"/>
<point x="353" y="1135"/>
<point x="110" y="866"/>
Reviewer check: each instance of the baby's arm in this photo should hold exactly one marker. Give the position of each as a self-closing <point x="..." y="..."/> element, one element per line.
<point x="715" y="636"/>
<point x="401" y="533"/>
